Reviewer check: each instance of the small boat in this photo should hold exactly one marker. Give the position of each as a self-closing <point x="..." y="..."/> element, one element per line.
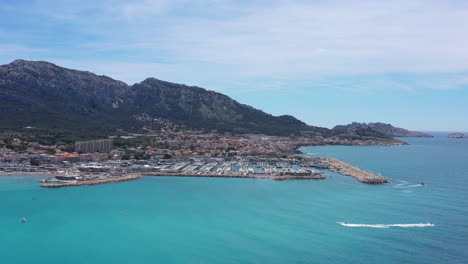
<point x="24" y="220"/>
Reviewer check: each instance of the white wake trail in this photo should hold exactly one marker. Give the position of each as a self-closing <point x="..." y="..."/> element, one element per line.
<point x="402" y="183"/>
<point x="405" y="185"/>
<point x="414" y="186"/>
<point x="386" y="226"/>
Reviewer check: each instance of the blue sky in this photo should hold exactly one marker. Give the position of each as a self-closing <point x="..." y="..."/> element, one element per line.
<point x="325" y="62"/>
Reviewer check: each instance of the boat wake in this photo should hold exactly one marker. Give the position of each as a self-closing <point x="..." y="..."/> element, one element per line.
<point x="405" y="185"/>
<point x="414" y="186"/>
<point x="386" y="226"/>
<point x="402" y="183"/>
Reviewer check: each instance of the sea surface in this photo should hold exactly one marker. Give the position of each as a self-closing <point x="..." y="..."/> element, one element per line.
<point x="218" y="220"/>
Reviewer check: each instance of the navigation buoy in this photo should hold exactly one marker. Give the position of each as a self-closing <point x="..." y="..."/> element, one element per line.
<point x="24" y="220"/>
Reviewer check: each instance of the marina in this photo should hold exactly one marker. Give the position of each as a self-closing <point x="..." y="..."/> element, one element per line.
<point x="82" y="174"/>
<point x="292" y="168"/>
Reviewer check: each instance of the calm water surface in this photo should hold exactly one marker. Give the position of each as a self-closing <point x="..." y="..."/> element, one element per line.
<point x="216" y="220"/>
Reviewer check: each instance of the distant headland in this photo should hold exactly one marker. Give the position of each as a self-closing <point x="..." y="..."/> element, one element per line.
<point x="386" y="129"/>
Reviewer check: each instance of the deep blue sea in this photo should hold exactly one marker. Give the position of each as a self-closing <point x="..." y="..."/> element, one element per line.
<point x="218" y="220"/>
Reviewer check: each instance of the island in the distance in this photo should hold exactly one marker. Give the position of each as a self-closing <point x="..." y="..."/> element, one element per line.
<point x="457" y="135"/>
<point x="386" y="129"/>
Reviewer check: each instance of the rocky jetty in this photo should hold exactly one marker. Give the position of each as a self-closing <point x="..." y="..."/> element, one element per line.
<point x="457" y="135"/>
<point x="92" y="182"/>
<point x="344" y="168"/>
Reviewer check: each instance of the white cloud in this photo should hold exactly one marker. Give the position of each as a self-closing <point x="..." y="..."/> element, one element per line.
<point x="290" y="39"/>
<point x="279" y="40"/>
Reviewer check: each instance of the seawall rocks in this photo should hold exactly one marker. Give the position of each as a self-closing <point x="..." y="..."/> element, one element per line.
<point x="92" y="182"/>
<point x="344" y="168"/>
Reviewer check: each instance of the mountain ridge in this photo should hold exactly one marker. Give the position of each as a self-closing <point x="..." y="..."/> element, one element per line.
<point x="39" y="93"/>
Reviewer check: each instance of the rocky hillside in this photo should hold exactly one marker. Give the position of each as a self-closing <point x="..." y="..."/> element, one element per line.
<point x="36" y="93"/>
<point x="386" y="129"/>
<point x="199" y="108"/>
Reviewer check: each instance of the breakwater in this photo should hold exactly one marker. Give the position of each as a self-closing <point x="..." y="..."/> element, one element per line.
<point x="41" y="173"/>
<point x="316" y="175"/>
<point x="92" y="182"/>
<point x="344" y="168"/>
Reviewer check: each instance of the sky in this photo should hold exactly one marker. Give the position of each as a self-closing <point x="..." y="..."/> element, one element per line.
<point x="324" y="62"/>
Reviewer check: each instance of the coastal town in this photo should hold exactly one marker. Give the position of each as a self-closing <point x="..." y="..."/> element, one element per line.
<point x="17" y="147"/>
<point x="183" y="154"/>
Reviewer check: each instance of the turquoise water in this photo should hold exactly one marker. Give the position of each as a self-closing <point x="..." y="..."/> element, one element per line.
<point x="216" y="220"/>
